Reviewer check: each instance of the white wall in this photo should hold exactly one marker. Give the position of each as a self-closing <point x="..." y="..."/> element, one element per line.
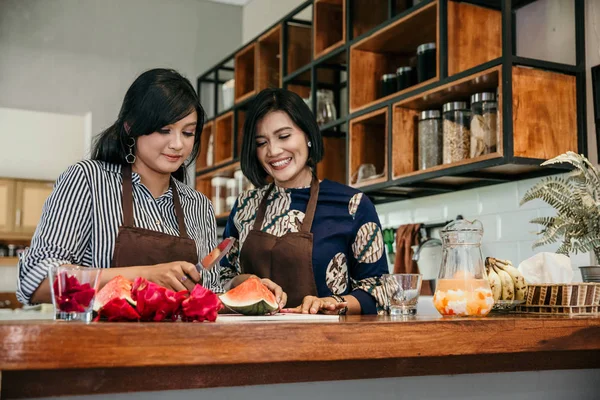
<point x="260" y="14"/>
<point x="39" y="145"/>
<point x="74" y="57"/>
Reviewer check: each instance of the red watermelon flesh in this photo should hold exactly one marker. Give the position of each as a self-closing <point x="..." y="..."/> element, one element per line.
<point x="117" y="287"/>
<point x="250" y="298"/>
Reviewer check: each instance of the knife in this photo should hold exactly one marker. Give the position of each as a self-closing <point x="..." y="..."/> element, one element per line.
<point x="215" y="256"/>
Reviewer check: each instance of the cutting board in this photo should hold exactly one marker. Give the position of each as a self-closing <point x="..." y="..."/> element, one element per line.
<point x="288" y="317"/>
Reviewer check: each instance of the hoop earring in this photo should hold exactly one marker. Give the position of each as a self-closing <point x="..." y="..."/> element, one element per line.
<point x="130" y="158"/>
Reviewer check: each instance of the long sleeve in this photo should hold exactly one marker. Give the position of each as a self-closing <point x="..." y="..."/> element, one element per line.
<point x="211" y="278"/>
<point x="367" y="258"/>
<point x="63" y="233"/>
<point x="230" y="264"/>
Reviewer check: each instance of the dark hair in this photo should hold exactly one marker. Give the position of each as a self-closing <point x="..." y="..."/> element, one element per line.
<point x="157" y="97"/>
<point x="267" y="101"/>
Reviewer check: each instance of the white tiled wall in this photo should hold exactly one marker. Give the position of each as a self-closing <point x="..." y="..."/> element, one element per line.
<point x="8" y="279"/>
<point x="507" y="231"/>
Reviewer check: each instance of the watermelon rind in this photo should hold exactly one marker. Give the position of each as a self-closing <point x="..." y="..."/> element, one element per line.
<point x="260" y="307"/>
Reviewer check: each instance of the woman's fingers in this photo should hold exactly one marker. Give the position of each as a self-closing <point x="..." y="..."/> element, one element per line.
<point x="191" y="271"/>
<point x="276" y="289"/>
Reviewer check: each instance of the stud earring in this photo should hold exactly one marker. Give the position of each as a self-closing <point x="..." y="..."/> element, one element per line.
<point x="309" y="144"/>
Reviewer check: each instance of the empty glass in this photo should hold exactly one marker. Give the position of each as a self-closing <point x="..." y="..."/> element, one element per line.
<point x="73" y="290"/>
<point x="402" y="291"/>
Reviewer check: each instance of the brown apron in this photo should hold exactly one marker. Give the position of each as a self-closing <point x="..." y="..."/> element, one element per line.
<point x="138" y="246"/>
<point x="286" y="260"/>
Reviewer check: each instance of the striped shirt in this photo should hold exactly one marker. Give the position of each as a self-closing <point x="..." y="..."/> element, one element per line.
<point x="81" y="218"/>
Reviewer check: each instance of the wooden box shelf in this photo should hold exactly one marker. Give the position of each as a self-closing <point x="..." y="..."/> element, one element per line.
<point x="366" y="15"/>
<point x="532" y="115"/>
<point x="299" y="46"/>
<point x="386" y="50"/>
<point x="474" y="36"/>
<point x="245" y="73"/>
<point x="368" y="145"/>
<point x="330" y="26"/>
<point x="241" y="118"/>
<point x="224" y="138"/>
<point x="406" y="112"/>
<point x="269" y="59"/>
<point x="205" y="138"/>
<point x="333" y="164"/>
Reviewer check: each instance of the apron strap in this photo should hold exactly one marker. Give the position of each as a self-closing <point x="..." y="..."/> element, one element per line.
<point x="127" y="201"/>
<point x="178" y="210"/>
<point x="262" y="209"/>
<point x="310" y="207"/>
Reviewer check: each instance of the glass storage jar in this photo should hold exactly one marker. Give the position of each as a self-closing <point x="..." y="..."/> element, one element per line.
<point x="426" y="62"/>
<point x="457" y="139"/>
<point x="219" y="194"/>
<point x="388" y="85"/>
<point x="326" y="111"/>
<point x="484" y="124"/>
<point x="430" y="144"/>
<point x="462" y="287"/>
<point x="405" y="78"/>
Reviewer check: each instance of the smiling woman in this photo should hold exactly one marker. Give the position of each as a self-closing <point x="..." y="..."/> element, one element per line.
<point x="320" y="242"/>
<point x="128" y="208"/>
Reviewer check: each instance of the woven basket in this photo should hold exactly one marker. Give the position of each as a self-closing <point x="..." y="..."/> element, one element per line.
<point x="575" y="298"/>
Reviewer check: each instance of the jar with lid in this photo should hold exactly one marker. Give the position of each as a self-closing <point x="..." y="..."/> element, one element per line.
<point x="388" y="85"/>
<point x="484" y="124"/>
<point x="426" y="62"/>
<point x="430" y="139"/>
<point x="457" y="138"/>
<point x="219" y="194"/>
<point x="232" y="188"/>
<point x="462" y="287"/>
<point x="405" y="78"/>
<point x="326" y="111"/>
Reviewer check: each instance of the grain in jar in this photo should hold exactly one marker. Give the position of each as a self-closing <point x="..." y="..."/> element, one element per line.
<point x="457" y="137"/>
<point x="484" y="124"/>
<point x="430" y="139"/>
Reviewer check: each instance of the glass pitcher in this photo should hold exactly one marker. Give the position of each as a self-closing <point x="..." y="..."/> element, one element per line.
<point x="462" y="287"/>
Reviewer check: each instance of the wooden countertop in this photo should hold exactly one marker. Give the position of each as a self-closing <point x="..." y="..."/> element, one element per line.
<point x="37" y="356"/>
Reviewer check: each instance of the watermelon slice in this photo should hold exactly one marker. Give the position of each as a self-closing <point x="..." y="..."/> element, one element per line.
<point x="215" y="256"/>
<point x="250" y="298"/>
<point x="117" y="287"/>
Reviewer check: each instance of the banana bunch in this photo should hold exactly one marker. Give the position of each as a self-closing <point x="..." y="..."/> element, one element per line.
<point x="505" y="280"/>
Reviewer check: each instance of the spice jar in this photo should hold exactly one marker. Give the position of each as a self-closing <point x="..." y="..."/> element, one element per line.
<point x="426" y="62"/>
<point x="430" y="139"/>
<point x="457" y="138"/>
<point x="219" y="193"/>
<point x="404" y="77"/>
<point x="388" y="85"/>
<point x="484" y="124"/>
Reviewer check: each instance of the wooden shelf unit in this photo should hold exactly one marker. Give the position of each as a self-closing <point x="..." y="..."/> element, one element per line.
<point x="368" y="138"/>
<point x="245" y="73"/>
<point x="203" y="181"/>
<point x="474" y="45"/>
<point x="330" y="26"/>
<point x="269" y="65"/>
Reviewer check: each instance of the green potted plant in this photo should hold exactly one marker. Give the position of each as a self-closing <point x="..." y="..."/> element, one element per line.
<point x="576" y="198"/>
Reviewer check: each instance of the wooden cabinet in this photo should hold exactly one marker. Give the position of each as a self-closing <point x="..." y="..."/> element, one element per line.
<point x="21" y="203"/>
<point x="7" y="205"/>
